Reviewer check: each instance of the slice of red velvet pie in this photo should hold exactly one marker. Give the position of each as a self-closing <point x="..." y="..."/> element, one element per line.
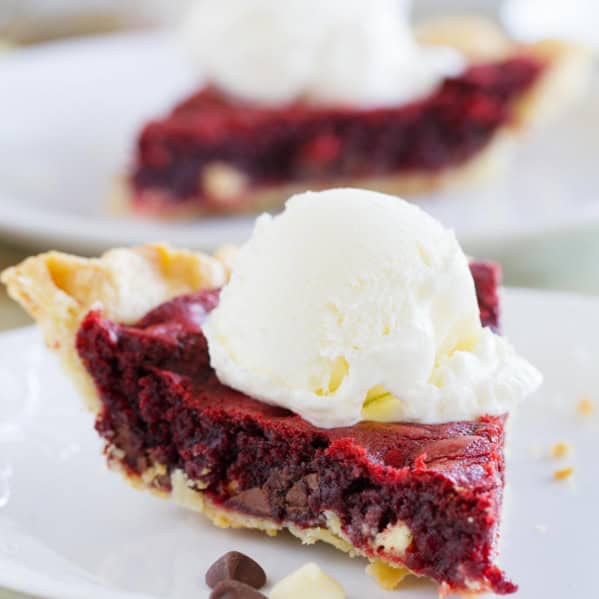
<point x="217" y="153"/>
<point x="419" y="498"/>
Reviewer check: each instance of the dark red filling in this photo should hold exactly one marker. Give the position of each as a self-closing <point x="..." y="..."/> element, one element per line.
<point x="301" y="142"/>
<point x="162" y="403"/>
<point x="487" y="279"/>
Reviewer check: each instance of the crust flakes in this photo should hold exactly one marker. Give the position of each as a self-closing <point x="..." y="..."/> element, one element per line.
<point x="58" y="290"/>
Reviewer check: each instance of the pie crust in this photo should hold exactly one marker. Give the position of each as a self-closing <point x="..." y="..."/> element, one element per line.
<point x="59" y="289"/>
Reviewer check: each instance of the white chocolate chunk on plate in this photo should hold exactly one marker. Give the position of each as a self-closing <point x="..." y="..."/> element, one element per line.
<point x="308" y="580"/>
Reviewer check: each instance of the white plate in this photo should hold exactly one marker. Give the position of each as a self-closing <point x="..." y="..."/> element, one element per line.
<point x="69" y="113"/>
<point x="71" y="529"/>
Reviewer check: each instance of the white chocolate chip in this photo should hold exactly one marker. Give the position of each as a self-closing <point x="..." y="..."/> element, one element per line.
<point x="223" y="183"/>
<point x="396" y="538"/>
<point x="310" y="581"/>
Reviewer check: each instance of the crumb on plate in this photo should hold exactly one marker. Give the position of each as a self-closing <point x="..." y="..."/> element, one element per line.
<point x="586" y="406"/>
<point x="563" y="473"/>
<point x="561" y="450"/>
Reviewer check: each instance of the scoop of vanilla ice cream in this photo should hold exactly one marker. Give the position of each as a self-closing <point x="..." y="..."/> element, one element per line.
<point x="338" y="51"/>
<point x="354" y="305"/>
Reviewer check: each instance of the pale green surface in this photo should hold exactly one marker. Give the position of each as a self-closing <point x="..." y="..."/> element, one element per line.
<point x="11" y="316"/>
<point x="568" y="261"/>
<point x="11" y="595"/>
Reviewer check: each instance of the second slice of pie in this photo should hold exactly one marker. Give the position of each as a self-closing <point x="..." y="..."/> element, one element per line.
<point x="347" y="93"/>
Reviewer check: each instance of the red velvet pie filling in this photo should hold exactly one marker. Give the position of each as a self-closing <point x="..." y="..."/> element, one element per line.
<point x="300" y="142"/>
<point x="163" y="404"/>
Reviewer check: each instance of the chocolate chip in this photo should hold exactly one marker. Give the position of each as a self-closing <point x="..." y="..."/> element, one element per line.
<point x="313" y="481"/>
<point x="232" y="589"/>
<point x="237" y="567"/>
<point x="297" y="496"/>
<point x="303" y="490"/>
<point x="253" y="501"/>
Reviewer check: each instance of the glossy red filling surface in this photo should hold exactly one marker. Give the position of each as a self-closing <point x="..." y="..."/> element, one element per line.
<point x="163" y="404"/>
<point x="303" y="142"/>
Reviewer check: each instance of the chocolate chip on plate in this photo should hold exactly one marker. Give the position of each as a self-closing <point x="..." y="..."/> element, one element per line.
<point x="233" y="589"/>
<point x="237" y="567"/>
<point x="253" y="501"/>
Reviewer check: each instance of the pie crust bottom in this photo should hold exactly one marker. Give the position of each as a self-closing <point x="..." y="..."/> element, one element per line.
<point x="184" y="495"/>
<point x="387" y="576"/>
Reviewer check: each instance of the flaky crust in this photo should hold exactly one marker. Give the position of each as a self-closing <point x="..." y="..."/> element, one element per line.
<point x="477" y="38"/>
<point x="565" y="79"/>
<point x="58" y="290"/>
